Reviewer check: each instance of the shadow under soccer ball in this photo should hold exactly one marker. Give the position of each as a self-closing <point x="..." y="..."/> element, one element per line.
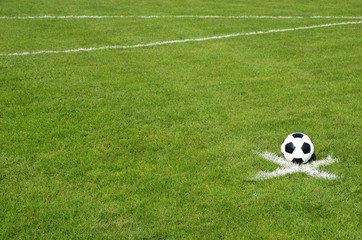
<point x="312" y="159"/>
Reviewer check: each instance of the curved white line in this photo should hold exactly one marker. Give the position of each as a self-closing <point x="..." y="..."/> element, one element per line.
<point x="181" y="41"/>
<point x="180" y="16"/>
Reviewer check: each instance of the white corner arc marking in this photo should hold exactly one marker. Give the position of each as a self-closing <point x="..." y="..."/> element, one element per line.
<point x="180" y="41"/>
<point x="289" y="168"/>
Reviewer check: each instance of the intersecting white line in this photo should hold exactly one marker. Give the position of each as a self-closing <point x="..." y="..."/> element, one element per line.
<point x="180" y="16"/>
<point x="180" y="41"/>
<point x="289" y="167"/>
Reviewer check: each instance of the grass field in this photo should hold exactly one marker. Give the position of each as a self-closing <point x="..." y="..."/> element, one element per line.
<point x="160" y="142"/>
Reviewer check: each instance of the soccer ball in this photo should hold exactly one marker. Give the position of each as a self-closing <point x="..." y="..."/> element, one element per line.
<point x="297" y="148"/>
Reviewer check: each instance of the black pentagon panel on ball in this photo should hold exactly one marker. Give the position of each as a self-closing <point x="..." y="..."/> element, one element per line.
<point x="289" y="147"/>
<point x="297" y="161"/>
<point x="306" y="148"/>
<point x="298" y="135"/>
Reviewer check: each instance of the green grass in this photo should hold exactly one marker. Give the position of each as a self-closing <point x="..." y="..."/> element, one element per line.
<point x="159" y="142"/>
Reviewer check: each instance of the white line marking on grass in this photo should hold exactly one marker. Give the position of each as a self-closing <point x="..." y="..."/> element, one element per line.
<point x="180" y="41"/>
<point x="181" y="16"/>
<point x="289" y="167"/>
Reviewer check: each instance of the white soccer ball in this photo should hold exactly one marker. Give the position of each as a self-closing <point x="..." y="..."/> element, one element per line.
<point x="297" y="148"/>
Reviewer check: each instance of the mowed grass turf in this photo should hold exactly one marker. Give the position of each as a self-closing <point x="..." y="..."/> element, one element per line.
<point x="160" y="142"/>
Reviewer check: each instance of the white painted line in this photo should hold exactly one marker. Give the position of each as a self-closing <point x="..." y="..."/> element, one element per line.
<point x="289" y="168"/>
<point x="179" y="41"/>
<point x="181" y="16"/>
